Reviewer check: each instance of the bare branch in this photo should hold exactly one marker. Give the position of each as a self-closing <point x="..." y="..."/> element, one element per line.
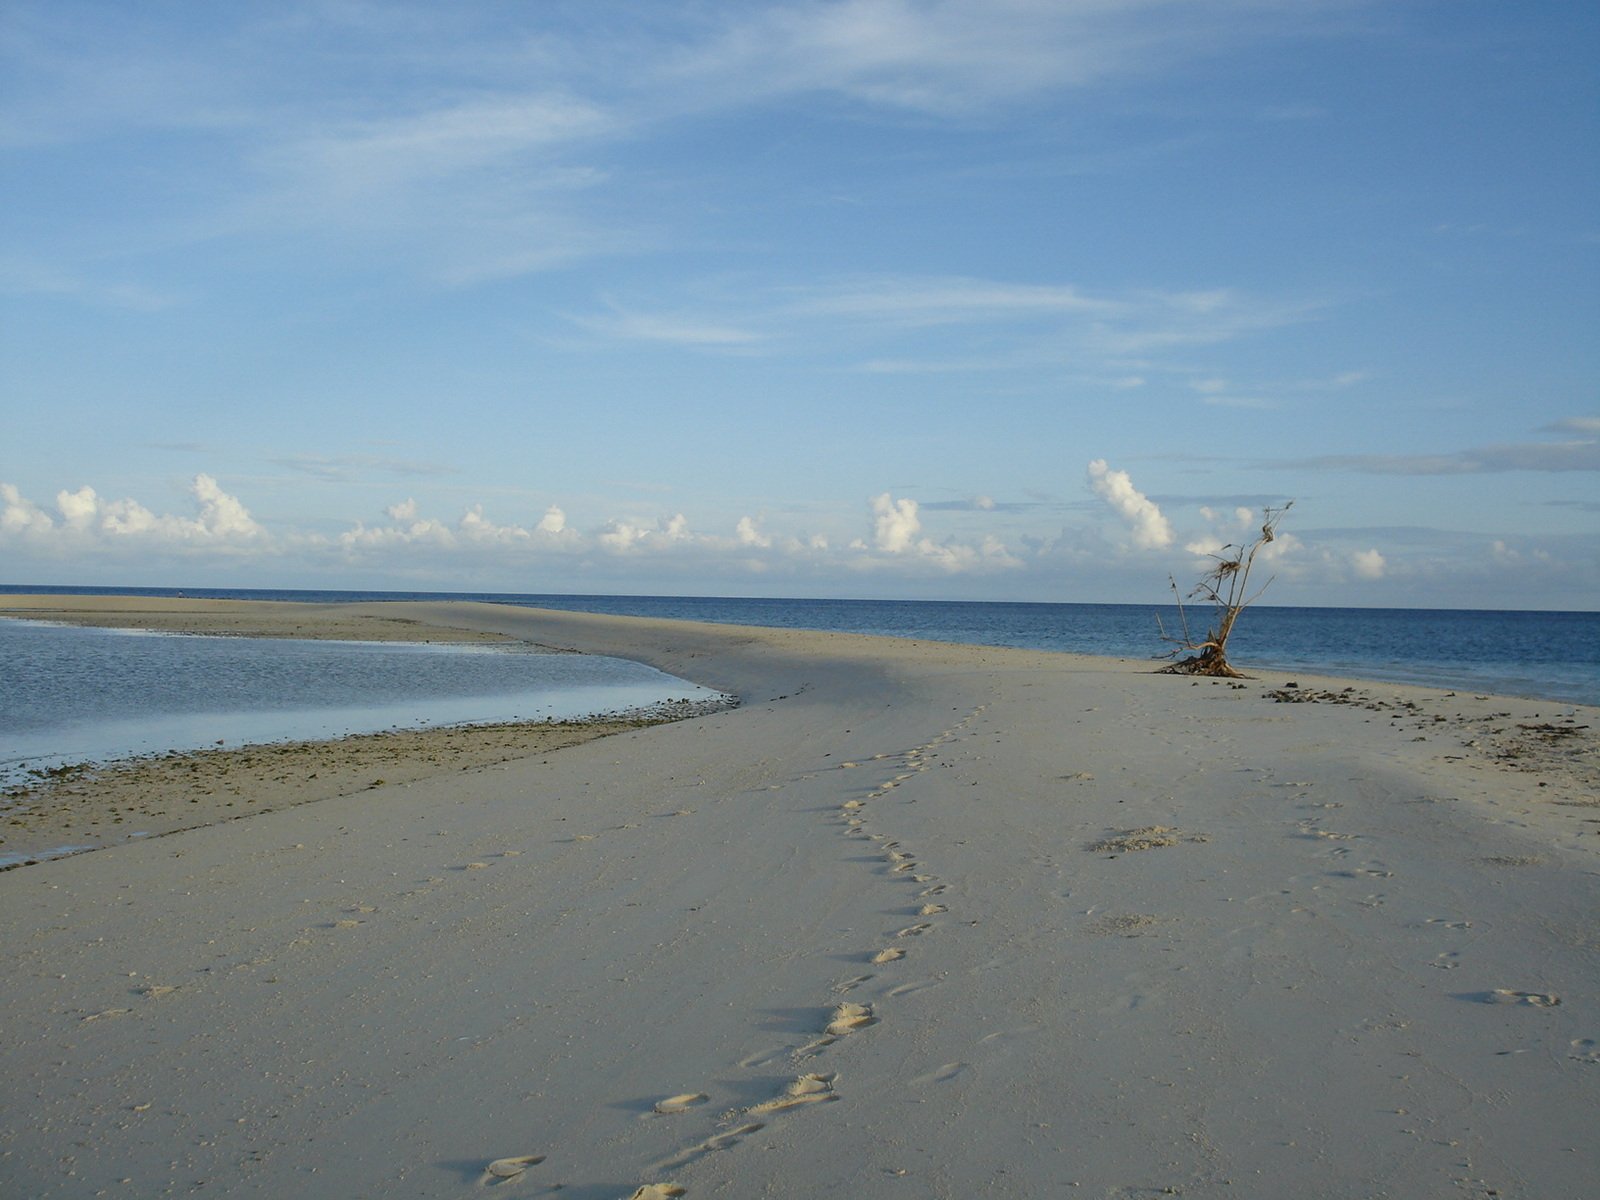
<point x="1226" y="587"/>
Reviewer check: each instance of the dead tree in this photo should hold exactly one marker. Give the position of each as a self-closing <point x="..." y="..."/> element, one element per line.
<point x="1226" y="586"/>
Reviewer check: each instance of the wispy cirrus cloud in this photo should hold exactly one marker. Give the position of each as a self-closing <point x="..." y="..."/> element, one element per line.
<point x="980" y="325"/>
<point x="348" y="467"/>
<point x="629" y="325"/>
<point x="959" y="57"/>
<point x="35" y="279"/>
<point x="462" y="141"/>
<point x="1589" y="426"/>
<point x="1575" y="455"/>
<point x="933" y="300"/>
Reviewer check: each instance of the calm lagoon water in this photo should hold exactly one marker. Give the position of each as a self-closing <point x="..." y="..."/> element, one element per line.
<point x="77" y="694"/>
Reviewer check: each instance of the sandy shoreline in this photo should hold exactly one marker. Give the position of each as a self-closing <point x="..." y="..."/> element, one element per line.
<point x="914" y="920"/>
<point x="90" y="806"/>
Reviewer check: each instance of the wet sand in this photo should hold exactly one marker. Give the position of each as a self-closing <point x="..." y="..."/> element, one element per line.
<point x="913" y="920"/>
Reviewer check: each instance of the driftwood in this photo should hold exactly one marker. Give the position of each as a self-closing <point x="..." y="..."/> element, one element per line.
<point x="1226" y="586"/>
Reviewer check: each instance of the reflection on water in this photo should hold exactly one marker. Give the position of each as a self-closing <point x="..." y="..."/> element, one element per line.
<point x="77" y="694"/>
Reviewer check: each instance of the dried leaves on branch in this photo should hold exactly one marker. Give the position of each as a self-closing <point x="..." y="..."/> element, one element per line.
<point x="1226" y="587"/>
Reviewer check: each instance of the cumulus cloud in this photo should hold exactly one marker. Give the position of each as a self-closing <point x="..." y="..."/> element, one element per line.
<point x="473" y="528"/>
<point x="746" y="533"/>
<point x="627" y="537"/>
<point x="222" y="515"/>
<point x="1368" y="564"/>
<point x="896" y="524"/>
<point x="85" y="519"/>
<point x="1150" y="530"/>
<point x="21" y="517"/>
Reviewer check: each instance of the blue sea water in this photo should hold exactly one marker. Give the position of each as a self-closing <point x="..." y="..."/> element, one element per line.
<point x="1547" y="655"/>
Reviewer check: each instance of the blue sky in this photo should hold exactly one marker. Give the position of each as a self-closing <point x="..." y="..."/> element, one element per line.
<point x="1000" y="300"/>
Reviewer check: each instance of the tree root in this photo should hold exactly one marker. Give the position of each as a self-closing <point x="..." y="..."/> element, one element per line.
<point x="1203" y="664"/>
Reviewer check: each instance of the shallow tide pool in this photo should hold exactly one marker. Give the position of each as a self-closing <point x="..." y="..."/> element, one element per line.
<point x="70" y="694"/>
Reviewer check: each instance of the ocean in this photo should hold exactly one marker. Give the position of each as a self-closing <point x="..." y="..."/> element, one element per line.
<point x="93" y="694"/>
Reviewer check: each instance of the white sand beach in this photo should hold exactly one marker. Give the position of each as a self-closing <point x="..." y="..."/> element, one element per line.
<point x="915" y="920"/>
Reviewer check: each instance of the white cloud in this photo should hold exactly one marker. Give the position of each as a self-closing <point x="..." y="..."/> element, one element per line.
<point x="896" y="524"/>
<point x="222" y="515"/>
<point x="746" y="533"/>
<point x="994" y="325"/>
<point x="673" y="330"/>
<point x="916" y="300"/>
<point x="1150" y="530"/>
<point x="78" y="509"/>
<point x="894" y="546"/>
<point x="86" y="520"/>
<point x="626" y="537"/>
<point x="954" y="57"/>
<point x="21" y="517"/>
<point x="1368" y="564"/>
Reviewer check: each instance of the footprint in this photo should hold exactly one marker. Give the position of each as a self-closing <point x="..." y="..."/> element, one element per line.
<point x="1536" y="999"/>
<point x="510" y="1168"/>
<point x="849" y="1017"/>
<point x="1585" y="1050"/>
<point x="929" y="910"/>
<point x="850" y="985"/>
<point x="807" y="1089"/>
<point x="942" y="1074"/>
<point x="916" y="930"/>
<point x="658" y="1191"/>
<point x="710" y="1146"/>
<point x="110" y="1012"/>
<point x="678" y="1104"/>
<point x="936" y="890"/>
<point x="888" y="956"/>
<point x="1448" y="923"/>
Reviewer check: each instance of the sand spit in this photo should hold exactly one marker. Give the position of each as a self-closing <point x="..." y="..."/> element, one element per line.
<point x="914" y="920"/>
<point x="237" y="618"/>
<point x="90" y="807"/>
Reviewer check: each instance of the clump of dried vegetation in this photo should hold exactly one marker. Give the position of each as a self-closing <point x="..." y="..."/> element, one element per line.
<point x="1226" y="587"/>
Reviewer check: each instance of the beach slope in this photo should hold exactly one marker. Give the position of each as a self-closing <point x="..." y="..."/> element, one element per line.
<point x="913" y="920"/>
